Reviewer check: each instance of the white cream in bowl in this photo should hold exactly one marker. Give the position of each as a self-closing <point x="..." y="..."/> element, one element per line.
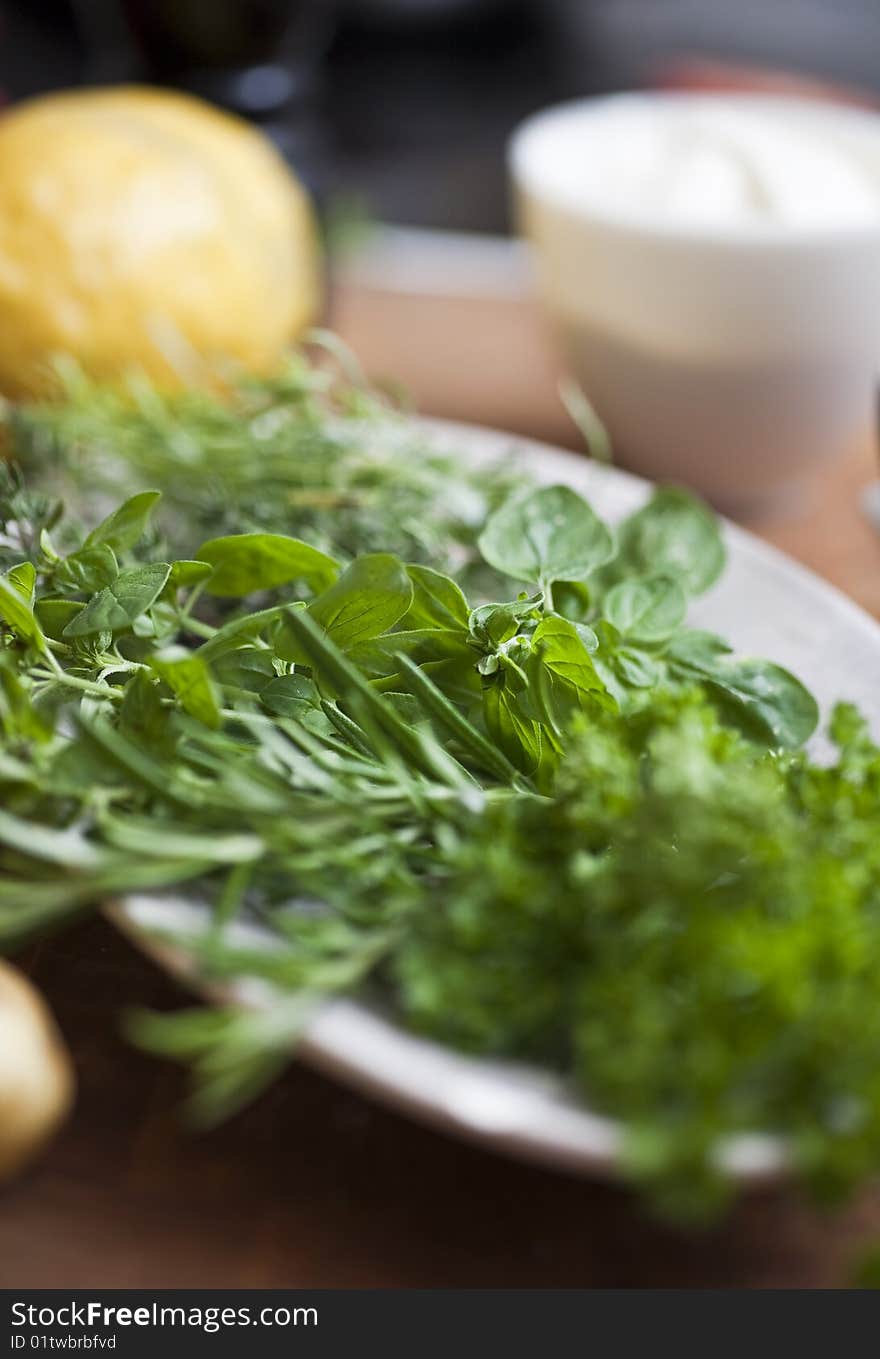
<point x="713" y="264"/>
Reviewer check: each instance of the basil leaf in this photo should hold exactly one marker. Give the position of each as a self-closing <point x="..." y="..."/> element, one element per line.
<point x="648" y="610"/>
<point x="189" y="678"/>
<point x="367" y="600"/>
<point x="638" y="669"/>
<point x="24" y="578"/>
<point x="493" y="624"/>
<point x="238" y="630"/>
<point x="377" y="657"/>
<point x="185" y="574"/>
<point x="437" y="601"/>
<point x="117" y="606"/>
<point x="561" y="648"/>
<point x="624" y="667"/>
<point x="696" y="648"/>
<point x="562" y="675"/>
<point x="18" y="615"/>
<point x="54" y="615"/>
<point x="517" y="735"/>
<point x="248" y="668"/>
<point x="572" y="599"/>
<point x="123" y="528"/>
<point x="549" y="535"/>
<point x="247" y="562"/>
<point x="675" y="534"/>
<point x="291" y="696"/>
<point x="89" y="570"/>
<point x="764" y="700"/>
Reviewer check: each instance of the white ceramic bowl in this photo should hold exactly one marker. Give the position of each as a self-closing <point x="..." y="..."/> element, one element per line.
<point x="733" y="358"/>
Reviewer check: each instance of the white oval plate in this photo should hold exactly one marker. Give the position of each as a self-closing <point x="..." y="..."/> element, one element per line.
<point x="766" y="605"/>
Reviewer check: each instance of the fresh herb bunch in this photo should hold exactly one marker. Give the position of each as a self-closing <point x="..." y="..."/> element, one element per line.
<point x="312" y="451"/>
<point x="562" y="826"/>
<point x="690" y="927"/>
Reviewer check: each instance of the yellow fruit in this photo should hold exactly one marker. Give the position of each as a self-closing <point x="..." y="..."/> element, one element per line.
<point x="36" y="1077"/>
<point x="144" y="229"/>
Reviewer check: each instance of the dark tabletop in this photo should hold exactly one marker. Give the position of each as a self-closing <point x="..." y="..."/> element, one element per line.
<point x="314" y="1186"/>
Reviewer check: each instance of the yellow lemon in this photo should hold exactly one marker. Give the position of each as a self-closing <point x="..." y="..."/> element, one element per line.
<point x="144" y="229"/>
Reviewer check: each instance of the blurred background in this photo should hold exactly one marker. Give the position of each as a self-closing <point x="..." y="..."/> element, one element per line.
<point x="400" y="109"/>
<point x="396" y="114"/>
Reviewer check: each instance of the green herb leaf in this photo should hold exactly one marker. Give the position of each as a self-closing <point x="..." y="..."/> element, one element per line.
<point x="424" y="644"/>
<point x="66" y="847"/>
<point x="157" y="838"/>
<point x="562" y="648"/>
<point x="117" y="606"/>
<point x="765" y="701"/>
<point x="623" y="668"/>
<point x="185" y="574"/>
<point x="187" y="675"/>
<point x="87" y="571"/>
<point x="366" y="601"/>
<point x="291" y="696"/>
<point x="249" y="668"/>
<point x="697" y="649"/>
<point x="54" y="615"/>
<point x="637" y="669"/>
<point x="122" y="529"/>
<point x="673" y="535"/>
<point x="245" y="563"/>
<point x="648" y="610"/>
<point x="16" y="613"/>
<point x="494" y="624"/>
<point x="238" y="631"/>
<point x="516" y="734"/>
<point x="572" y="599"/>
<point x="235" y="1053"/>
<point x="437" y="705"/>
<point x="548" y="535"/>
<point x="24" y="578"/>
<point x="437" y="602"/>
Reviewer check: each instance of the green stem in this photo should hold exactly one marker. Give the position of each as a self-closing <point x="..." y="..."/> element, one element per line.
<point x="185" y="614"/>
<point x="200" y="629"/>
<point x="60" y="676"/>
<point x="85" y="686"/>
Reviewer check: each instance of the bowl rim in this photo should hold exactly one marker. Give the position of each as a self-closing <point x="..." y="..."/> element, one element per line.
<point x="529" y="177"/>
